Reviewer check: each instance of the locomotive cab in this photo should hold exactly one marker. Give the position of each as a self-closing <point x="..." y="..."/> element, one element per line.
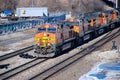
<point x="46" y="40"/>
<point x="71" y="30"/>
<point x="72" y="27"/>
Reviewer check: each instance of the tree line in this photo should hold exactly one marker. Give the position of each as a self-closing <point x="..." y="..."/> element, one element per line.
<point x="55" y="5"/>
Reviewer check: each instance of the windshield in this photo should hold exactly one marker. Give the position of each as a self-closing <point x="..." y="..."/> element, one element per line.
<point x="41" y="29"/>
<point x="53" y="30"/>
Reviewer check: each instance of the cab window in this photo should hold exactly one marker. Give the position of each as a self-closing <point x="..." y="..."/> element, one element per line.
<point x="53" y="30"/>
<point x="41" y="29"/>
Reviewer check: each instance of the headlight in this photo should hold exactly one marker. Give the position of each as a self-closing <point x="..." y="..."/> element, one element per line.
<point x="48" y="44"/>
<point x="45" y="34"/>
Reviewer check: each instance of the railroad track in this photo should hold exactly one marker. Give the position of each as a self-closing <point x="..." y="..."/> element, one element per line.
<point x="59" y="67"/>
<point x="29" y="65"/>
<point x="12" y="54"/>
<point x="21" y="68"/>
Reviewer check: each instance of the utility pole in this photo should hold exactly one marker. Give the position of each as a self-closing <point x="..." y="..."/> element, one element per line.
<point x="116" y="3"/>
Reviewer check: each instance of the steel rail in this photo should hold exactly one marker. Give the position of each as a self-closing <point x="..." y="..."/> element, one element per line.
<point x="21" y="68"/>
<point x="17" y="52"/>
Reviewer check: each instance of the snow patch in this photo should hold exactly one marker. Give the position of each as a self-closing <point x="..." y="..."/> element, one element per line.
<point x="103" y="71"/>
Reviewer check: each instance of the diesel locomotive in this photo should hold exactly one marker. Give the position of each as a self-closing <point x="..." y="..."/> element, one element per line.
<point x="52" y="39"/>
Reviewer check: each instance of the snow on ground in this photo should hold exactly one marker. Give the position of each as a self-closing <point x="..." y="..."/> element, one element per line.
<point x="107" y="69"/>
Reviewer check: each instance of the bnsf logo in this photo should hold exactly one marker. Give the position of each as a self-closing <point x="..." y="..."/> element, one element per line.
<point x="23" y="12"/>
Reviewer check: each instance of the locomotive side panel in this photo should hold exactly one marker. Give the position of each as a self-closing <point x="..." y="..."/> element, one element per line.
<point x="65" y="33"/>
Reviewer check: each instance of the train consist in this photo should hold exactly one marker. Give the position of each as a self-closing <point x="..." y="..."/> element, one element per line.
<point x="52" y="39"/>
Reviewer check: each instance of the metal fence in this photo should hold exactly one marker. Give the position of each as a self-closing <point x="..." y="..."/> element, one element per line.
<point x="27" y="24"/>
<point x="18" y="26"/>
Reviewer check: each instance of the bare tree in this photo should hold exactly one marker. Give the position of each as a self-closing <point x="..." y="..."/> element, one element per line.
<point x="8" y="4"/>
<point x="75" y="6"/>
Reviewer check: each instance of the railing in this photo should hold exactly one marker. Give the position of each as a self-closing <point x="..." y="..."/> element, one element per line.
<point x="28" y="24"/>
<point x="18" y="26"/>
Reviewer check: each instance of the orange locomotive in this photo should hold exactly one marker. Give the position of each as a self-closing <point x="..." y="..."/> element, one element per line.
<point x="51" y="39"/>
<point x="46" y="39"/>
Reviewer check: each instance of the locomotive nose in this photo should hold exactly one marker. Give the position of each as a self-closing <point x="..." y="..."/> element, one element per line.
<point x="45" y="43"/>
<point x="45" y="40"/>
